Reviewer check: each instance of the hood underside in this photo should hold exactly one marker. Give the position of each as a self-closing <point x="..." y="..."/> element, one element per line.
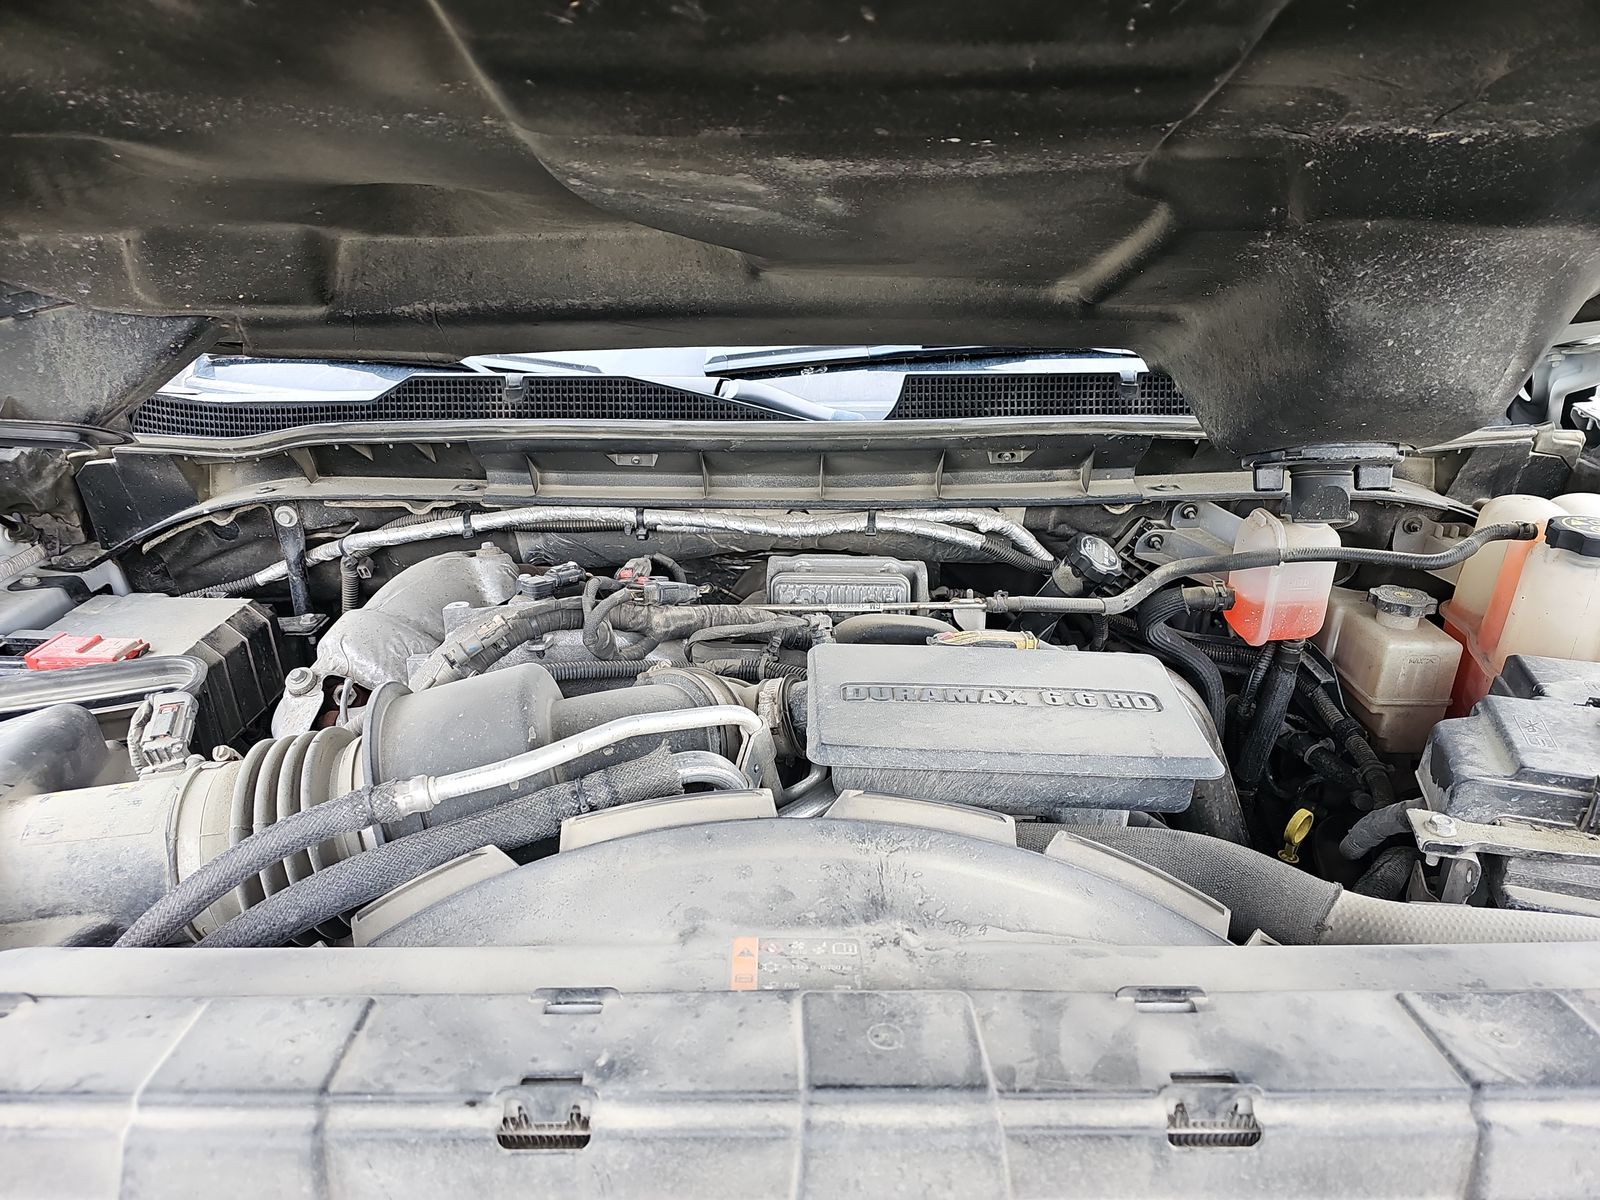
<point x="1330" y="222"/>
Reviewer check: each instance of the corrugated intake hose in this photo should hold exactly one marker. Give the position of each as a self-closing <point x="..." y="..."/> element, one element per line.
<point x="355" y="881"/>
<point x="1298" y="909"/>
<point x="353" y="811"/>
<point x="1199" y="670"/>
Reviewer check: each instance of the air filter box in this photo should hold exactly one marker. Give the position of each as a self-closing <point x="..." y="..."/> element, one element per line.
<point x="1028" y="732"/>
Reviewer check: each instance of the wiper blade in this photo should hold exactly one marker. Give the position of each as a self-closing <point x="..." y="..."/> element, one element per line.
<point x="811" y="360"/>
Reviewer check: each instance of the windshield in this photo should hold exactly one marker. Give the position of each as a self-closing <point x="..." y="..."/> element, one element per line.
<point x="828" y="383"/>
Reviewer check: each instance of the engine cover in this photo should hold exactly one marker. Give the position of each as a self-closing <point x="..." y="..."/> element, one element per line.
<point x="1030" y="732"/>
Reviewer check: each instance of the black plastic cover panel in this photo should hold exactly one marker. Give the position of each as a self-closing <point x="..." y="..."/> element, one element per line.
<point x="1340" y="221"/>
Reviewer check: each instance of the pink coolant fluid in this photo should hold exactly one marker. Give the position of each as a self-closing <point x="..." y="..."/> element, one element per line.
<point x="1276" y="604"/>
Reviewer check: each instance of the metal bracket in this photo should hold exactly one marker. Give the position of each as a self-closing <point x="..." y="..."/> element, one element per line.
<point x="1197" y="528"/>
<point x="1440" y="836"/>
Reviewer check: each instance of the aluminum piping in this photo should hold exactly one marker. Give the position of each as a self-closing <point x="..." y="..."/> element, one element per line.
<point x="702" y="766"/>
<point x="424" y="792"/>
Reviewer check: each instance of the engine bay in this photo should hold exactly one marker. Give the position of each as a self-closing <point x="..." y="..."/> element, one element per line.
<point x="1156" y="724"/>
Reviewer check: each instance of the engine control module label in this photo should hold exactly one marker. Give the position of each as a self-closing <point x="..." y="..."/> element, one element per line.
<point x="1027" y="696"/>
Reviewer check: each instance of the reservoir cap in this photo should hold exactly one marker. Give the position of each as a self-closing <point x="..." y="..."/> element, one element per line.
<point x="1401" y="601"/>
<point x="1579" y="534"/>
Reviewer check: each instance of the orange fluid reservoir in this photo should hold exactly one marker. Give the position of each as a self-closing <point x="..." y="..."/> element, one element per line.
<point x="1275" y="604"/>
<point x="1491" y="586"/>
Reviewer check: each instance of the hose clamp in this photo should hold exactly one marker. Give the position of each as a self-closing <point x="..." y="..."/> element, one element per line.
<point x="772" y="706"/>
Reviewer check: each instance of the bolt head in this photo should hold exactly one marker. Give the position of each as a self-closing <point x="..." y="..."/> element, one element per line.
<point x="286" y="516"/>
<point x="1441" y="825"/>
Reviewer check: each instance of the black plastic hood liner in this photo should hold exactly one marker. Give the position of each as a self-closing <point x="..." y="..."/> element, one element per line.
<point x="1329" y="221"/>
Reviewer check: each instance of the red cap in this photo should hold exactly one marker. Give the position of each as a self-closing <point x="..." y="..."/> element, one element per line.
<point x="82" y="650"/>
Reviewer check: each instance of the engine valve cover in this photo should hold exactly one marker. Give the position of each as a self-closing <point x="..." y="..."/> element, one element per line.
<point x="1029" y="732"/>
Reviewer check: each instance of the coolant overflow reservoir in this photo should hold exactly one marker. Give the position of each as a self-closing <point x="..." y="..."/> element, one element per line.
<point x="1275" y="604"/>
<point x="1555" y="612"/>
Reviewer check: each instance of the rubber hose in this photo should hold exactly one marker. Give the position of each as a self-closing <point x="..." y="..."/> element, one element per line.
<point x="354" y="881"/>
<point x="1350" y="735"/>
<point x="1243" y="708"/>
<point x="1387" y="877"/>
<point x="1261" y="892"/>
<point x="670" y="566"/>
<point x="1154" y="614"/>
<point x="1216" y="564"/>
<point x="1003" y="552"/>
<point x="1376" y="828"/>
<point x="350" y="813"/>
<point x="1364" y="921"/>
<point x="1347" y="731"/>
<point x="666" y="623"/>
<point x="1298" y="909"/>
<point x="1276" y="692"/>
<point x="889" y="629"/>
<point x="789" y="631"/>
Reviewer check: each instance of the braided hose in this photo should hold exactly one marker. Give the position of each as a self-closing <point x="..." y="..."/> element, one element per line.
<point x="22" y="562"/>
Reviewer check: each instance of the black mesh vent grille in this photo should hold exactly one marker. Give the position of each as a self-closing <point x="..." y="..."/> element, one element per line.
<point x="997" y="394"/>
<point x="448" y="398"/>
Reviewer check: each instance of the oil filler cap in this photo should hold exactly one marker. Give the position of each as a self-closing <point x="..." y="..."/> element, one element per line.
<point x="1578" y="534"/>
<point x="1093" y="559"/>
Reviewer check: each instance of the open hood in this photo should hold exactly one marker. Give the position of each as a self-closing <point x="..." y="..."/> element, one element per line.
<point x="1330" y="222"/>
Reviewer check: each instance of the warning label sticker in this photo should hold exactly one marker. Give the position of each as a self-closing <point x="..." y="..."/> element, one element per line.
<point x="770" y="962"/>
